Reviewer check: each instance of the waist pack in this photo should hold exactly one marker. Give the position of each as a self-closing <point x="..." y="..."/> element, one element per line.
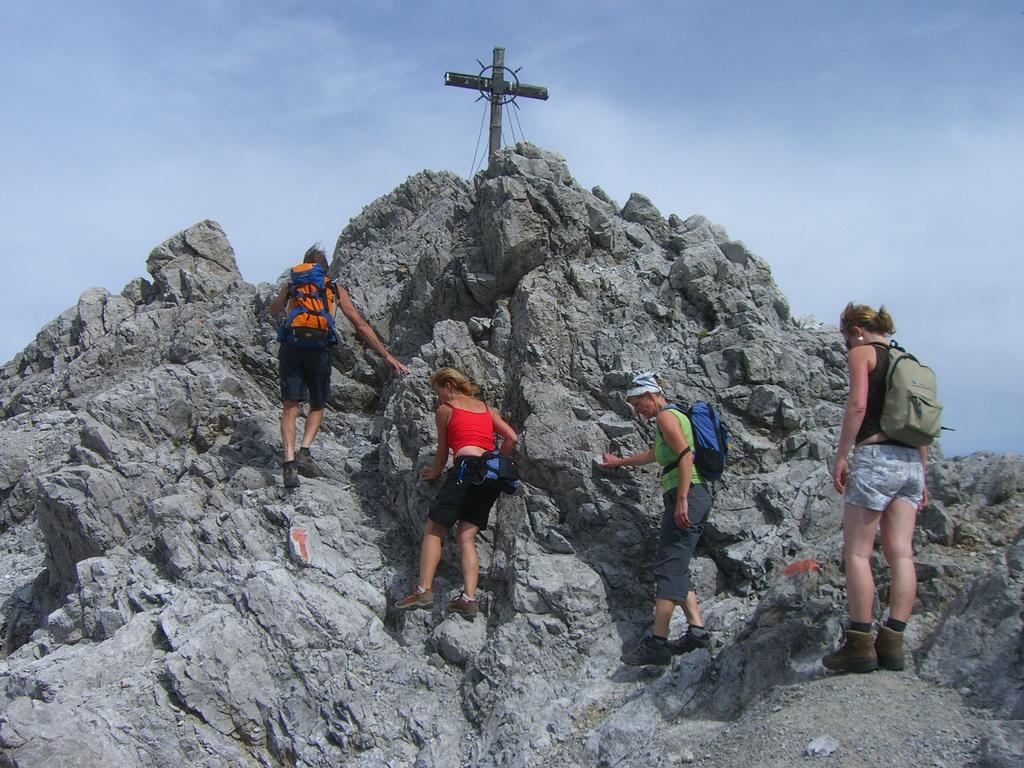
<point x="710" y="441"/>
<point x="912" y="411"/>
<point x="310" y="323"/>
<point x="492" y="470"/>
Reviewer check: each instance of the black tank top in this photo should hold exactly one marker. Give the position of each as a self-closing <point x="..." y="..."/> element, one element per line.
<point x="872" y="424"/>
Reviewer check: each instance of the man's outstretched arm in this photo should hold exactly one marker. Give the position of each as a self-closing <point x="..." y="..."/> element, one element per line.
<point x="365" y="331"/>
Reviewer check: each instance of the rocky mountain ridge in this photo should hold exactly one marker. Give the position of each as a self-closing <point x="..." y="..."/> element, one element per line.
<point x="167" y="602"/>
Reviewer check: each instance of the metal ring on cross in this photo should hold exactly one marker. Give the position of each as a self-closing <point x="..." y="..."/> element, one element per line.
<point x="511" y="86"/>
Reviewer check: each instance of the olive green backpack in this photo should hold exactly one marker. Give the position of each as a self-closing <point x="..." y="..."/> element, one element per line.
<point x="912" y="413"/>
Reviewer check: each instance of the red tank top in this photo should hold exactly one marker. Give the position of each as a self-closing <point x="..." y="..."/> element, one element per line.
<point x="469" y="428"/>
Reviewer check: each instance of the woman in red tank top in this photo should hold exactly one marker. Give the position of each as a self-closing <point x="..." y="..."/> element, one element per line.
<point x="466" y="428"/>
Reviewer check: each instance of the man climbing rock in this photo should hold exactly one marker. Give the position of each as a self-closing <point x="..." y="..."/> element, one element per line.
<point x="304" y="358"/>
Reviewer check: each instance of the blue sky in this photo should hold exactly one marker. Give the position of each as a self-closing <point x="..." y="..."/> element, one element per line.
<point x="870" y="151"/>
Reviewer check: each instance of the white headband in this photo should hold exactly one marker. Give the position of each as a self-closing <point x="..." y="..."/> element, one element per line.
<point x="643" y="383"/>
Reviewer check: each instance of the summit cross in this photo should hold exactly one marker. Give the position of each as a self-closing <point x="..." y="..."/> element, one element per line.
<point x="496" y="89"/>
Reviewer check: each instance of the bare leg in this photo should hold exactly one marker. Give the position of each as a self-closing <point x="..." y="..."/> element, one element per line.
<point x="289" y="412"/>
<point x="897" y="543"/>
<point x="465" y="536"/>
<point x="663" y="608"/>
<point x="692" y="610"/>
<point x="312" y="426"/>
<point x="859" y="526"/>
<point x="663" y="613"/>
<point x="430" y="552"/>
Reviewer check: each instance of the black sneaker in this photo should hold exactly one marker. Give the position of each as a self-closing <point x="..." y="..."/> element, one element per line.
<point x="305" y="464"/>
<point x="291" y="475"/>
<point x="689" y="642"/>
<point x="649" y="651"/>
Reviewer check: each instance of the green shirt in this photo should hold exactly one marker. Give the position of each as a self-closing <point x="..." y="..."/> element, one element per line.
<point x="664" y="455"/>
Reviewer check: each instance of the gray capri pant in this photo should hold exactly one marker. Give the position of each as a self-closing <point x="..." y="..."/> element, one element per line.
<point x="676" y="545"/>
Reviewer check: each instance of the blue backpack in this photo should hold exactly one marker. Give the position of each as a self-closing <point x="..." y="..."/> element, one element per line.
<point x="710" y="441"/>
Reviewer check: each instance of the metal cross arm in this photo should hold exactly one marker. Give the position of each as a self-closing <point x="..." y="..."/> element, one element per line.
<point x="488" y="85"/>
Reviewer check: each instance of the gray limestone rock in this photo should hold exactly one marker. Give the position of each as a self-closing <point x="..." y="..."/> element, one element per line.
<point x="194" y="265"/>
<point x="167" y="602"/>
<point x="640" y="210"/>
<point x="979" y="642"/>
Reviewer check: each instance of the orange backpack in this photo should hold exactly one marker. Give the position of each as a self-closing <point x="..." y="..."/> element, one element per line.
<point x="310" y="323"/>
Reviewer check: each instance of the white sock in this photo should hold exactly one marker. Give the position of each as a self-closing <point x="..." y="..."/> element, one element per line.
<point x="467" y="598"/>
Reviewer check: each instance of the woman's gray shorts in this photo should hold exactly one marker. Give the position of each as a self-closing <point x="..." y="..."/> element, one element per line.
<point x="676" y="545"/>
<point x="878" y="474"/>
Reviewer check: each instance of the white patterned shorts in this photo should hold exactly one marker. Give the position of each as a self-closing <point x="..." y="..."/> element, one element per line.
<point x="878" y="474"/>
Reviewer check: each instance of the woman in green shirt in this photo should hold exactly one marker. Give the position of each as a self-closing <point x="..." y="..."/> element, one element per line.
<point x="687" y="504"/>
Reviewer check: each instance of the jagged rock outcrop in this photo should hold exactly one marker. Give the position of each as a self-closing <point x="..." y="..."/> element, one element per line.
<point x="167" y="602"/>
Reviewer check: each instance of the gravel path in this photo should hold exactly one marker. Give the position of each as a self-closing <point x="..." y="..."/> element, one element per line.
<point x="879" y="719"/>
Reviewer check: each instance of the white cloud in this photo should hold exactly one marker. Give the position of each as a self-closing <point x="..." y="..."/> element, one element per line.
<point x="871" y="155"/>
<point x="930" y="233"/>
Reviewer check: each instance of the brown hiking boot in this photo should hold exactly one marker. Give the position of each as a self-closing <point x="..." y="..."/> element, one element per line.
<point x="304" y="463"/>
<point x="856" y="655"/>
<point x="468" y="608"/>
<point x="889" y="648"/>
<point x="418" y="598"/>
<point x="291" y="475"/>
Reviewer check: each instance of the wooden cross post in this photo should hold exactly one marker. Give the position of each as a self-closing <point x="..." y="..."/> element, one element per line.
<point x="497" y="90"/>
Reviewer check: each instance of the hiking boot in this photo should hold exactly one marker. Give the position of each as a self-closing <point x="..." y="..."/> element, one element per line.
<point x="418" y="598"/>
<point x="305" y="464"/>
<point x="856" y="655"/>
<point x="649" y="651"/>
<point x="889" y="648"/>
<point x="689" y="642"/>
<point x="291" y="475"/>
<point x="467" y="608"/>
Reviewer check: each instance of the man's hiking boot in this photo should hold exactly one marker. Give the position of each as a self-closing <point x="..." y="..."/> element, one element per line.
<point x="305" y="464"/>
<point x="649" y="651"/>
<point x="291" y="475"/>
<point x="418" y="598"/>
<point x="689" y="642"/>
<point x="467" y="608"/>
<point x="889" y="648"/>
<point x="856" y="655"/>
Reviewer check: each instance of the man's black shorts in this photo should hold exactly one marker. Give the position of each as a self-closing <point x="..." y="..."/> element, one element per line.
<point x="462" y="501"/>
<point x="305" y="374"/>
